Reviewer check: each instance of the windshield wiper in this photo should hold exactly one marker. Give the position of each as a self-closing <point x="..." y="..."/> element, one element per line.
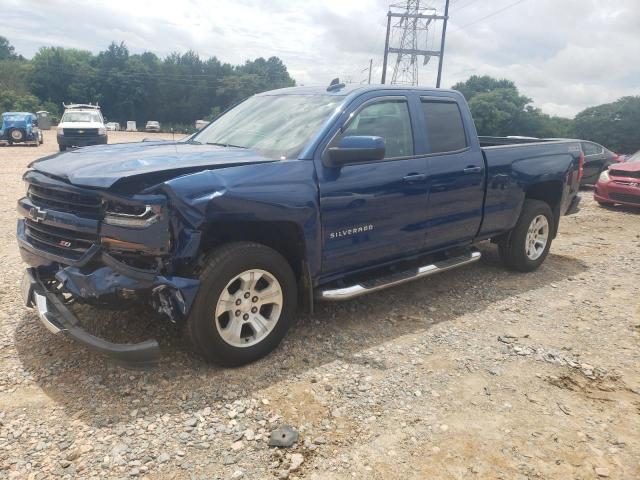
<point x="225" y="145"/>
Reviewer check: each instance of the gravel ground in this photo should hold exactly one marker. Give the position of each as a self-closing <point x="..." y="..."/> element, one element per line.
<point x="475" y="373"/>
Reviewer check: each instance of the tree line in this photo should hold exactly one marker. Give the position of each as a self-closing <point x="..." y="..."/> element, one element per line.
<point x="177" y="89"/>
<point x="499" y="109"/>
<point x="181" y="88"/>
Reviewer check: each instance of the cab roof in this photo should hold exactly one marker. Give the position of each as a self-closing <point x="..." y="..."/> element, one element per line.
<point x="344" y="90"/>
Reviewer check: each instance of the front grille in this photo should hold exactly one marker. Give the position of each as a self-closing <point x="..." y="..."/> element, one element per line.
<point x="622" y="173"/>
<point x="60" y="241"/>
<point x="80" y="132"/>
<point x="623" y="197"/>
<point x="83" y="205"/>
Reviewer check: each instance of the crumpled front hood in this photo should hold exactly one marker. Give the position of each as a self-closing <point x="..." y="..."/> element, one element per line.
<point x="102" y="166"/>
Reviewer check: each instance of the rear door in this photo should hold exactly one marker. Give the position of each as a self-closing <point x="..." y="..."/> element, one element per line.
<point x="594" y="161"/>
<point x="374" y="211"/>
<point x="456" y="168"/>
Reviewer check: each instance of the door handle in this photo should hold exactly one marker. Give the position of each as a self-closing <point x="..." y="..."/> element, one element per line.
<point x="414" y="177"/>
<point x="472" y="169"/>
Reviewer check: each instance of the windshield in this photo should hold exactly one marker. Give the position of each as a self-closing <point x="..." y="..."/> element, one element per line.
<point x="81" y="117"/>
<point x="275" y="126"/>
<point x="635" y="157"/>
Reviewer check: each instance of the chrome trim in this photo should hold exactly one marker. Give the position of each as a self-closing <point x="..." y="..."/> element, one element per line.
<point x="357" y="290"/>
<point x="48" y="320"/>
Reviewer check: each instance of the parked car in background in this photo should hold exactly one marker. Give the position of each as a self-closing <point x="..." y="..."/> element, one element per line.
<point x="596" y="160"/>
<point x="81" y="125"/>
<point x="292" y="195"/>
<point x="620" y="183"/>
<point x="113" y="127"/>
<point x="20" y="127"/>
<point x="152" y="126"/>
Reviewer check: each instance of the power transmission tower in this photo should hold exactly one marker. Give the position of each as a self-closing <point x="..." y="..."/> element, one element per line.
<point x="412" y="21"/>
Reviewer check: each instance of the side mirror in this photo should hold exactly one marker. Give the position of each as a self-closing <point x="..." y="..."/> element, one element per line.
<point x="356" y="149"/>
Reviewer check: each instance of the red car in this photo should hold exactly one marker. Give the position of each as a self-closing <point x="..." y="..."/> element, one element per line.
<point x="620" y="184"/>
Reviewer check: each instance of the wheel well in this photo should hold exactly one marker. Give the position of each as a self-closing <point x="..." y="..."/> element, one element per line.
<point x="286" y="238"/>
<point x="551" y="193"/>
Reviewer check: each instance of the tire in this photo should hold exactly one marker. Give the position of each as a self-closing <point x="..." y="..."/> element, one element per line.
<point x="62" y="147"/>
<point x="211" y="316"/>
<point x="525" y="251"/>
<point x="16" y="135"/>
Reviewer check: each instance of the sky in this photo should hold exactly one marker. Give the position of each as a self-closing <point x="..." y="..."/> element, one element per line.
<point x="564" y="54"/>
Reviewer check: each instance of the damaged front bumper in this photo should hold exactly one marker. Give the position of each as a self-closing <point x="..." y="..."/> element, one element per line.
<point x="107" y="282"/>
<point x="58" y="319"/>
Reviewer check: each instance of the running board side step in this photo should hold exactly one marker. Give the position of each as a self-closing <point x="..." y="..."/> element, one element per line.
<point x="353" y="291"/>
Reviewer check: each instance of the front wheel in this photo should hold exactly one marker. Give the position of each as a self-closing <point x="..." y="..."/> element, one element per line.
<point x="527" y="245"/>
<point x="245" y="305"/>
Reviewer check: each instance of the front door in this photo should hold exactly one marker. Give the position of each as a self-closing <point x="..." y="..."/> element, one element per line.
<point x="374" y="211"/>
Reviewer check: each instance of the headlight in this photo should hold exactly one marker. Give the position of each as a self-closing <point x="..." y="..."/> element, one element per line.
<point x="60" y="130"/>
<point x="102" y="131"/>
<point x="604" y="176"/>
<point x="132" y="216"/>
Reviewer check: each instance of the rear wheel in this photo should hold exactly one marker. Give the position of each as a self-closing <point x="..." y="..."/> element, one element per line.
<point x="246" y="302"/>
<point x="16" y="135"/>
<point x="527" y="245"/>
<point x="62" y="147"/>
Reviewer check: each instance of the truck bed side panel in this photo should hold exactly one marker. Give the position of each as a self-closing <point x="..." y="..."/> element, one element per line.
<point x="513" y="169"/>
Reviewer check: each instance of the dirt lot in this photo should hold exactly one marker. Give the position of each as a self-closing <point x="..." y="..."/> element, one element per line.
<point x="476" y="373"/>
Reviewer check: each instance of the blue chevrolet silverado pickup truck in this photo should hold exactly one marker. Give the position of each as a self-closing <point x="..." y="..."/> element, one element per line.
<point x="290" y="197"/>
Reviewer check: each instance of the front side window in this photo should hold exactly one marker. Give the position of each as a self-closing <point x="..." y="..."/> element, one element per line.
<point x="445" y="129"/>
<point x="388" y="119"/>
<point x="275" y="126"/>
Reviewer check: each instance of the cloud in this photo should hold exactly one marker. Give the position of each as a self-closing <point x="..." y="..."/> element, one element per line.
<point x="565" y="55"/>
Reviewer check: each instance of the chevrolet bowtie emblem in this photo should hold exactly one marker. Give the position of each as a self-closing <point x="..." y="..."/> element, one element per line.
<point x="80" y="131"/>
<point x="37" y="214"/>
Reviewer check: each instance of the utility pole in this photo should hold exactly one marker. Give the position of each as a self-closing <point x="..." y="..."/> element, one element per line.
<point x="370" y="68"/>
<point x="386" y="48"/>
<point x="410" y="34"/>
<point x="444" y="33"/>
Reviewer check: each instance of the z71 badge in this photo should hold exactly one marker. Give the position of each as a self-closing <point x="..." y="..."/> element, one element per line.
<point x="348" y="232"/>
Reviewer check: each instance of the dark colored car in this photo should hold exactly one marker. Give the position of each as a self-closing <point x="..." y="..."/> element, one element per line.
<point x="620" y="184"/>
<point x="292" y="196"/>
<point x="596" y="160"/>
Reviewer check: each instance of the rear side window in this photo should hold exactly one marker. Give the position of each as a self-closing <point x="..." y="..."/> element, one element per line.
<point x="591" y="148"/>
<point x="445" y="129"/>
<point x="388" y="119"/>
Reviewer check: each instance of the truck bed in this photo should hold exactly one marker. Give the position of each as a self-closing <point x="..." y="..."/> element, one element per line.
<point x="517" y="163"/>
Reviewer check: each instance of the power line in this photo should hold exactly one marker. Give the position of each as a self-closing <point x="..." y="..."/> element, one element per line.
<point x="492" y="14"/>
<point x="464" y="6"/>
